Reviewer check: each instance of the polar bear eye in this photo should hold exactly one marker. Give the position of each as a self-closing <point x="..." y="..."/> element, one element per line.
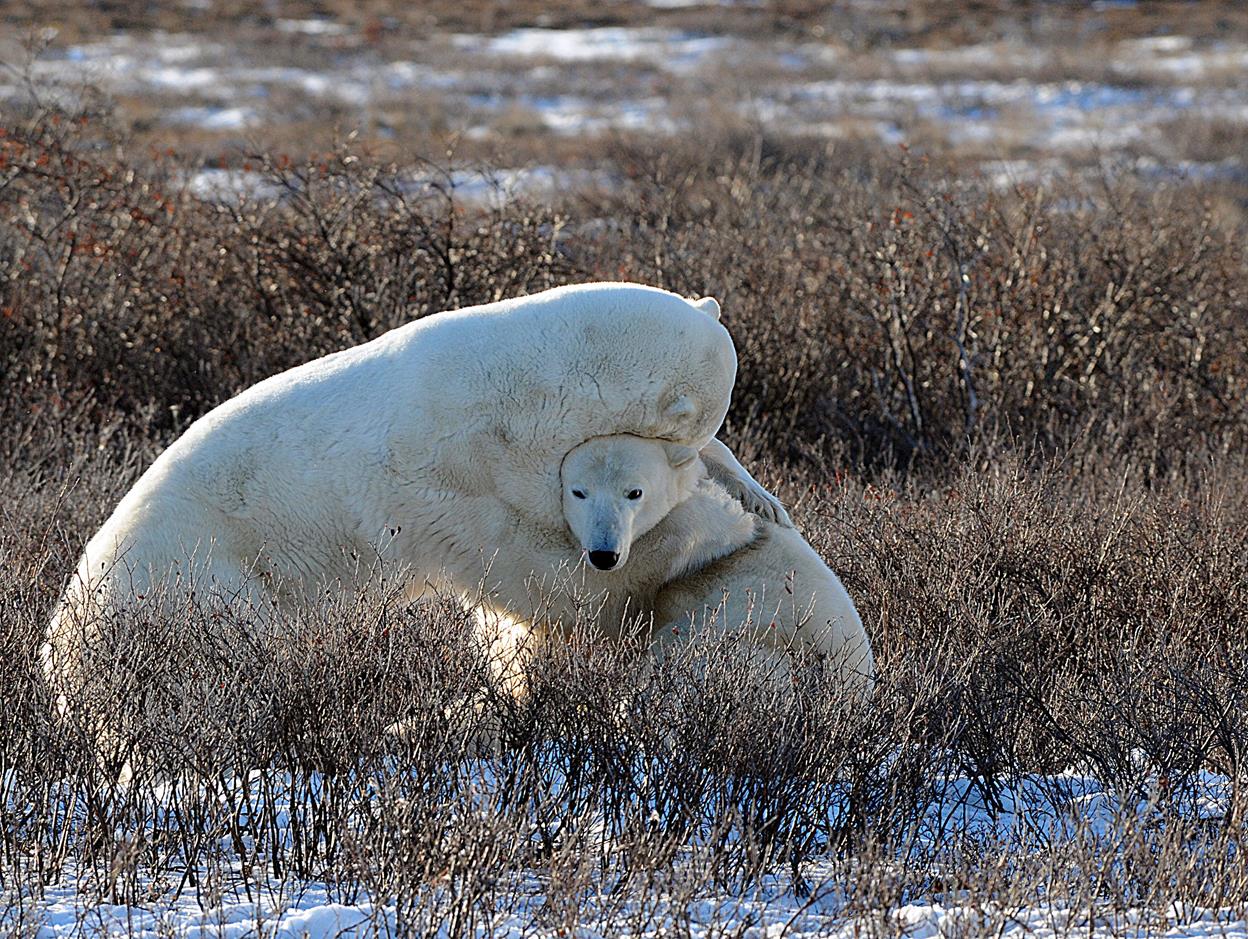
<point x="578" y="493"/>
<point x="634" y="494"/>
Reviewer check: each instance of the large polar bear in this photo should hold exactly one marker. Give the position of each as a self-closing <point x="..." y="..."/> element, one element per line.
<point x="431" y="446"/>
<point x="656" y="537"/>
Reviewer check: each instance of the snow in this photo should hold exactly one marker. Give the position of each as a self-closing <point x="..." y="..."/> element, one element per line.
<point x="65" y="913"/>
<point x="570" y="115"/>
<point x="977" y="56"/>
<point x="491" y="188"/>
<point x="311" y="27"/>
<point x="216" y="118"/>
<point x="600" y="80"/>
<point x="687" y="4"/>
<point x="497" y="186"/>
<point x="184" y="67"/>
<point x="770" y="910"/>
<point x="230" y="186"/>
<point x="1030" y="812"/>
<point x="1050" y="116"/>
<point x="1163" y="44"/>
<point x="670" y="49"/>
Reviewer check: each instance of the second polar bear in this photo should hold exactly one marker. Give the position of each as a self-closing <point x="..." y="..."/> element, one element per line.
<point x="661" y="539"/>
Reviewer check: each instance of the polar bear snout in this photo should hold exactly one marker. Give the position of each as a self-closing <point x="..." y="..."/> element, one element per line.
<point x="604" y="560"/>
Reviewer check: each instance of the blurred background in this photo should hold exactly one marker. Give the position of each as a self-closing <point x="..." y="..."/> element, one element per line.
<point x="1014" y="91"/>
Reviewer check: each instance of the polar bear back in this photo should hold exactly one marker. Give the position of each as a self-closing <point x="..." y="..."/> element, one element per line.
<point x="517" y="384"/>
<point x="449" y="429"/>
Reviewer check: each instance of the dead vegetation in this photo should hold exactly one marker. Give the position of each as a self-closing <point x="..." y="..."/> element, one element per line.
<point x="935" y="23"/>
<point x="1014" y="422"/>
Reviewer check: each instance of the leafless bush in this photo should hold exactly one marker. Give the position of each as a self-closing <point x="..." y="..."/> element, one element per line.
<point x="890" y="317"/>
<point x="893" y="314"/>
<point x="1013" y="423"/>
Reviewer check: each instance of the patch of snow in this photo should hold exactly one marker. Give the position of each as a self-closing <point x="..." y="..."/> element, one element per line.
<point x="179" y="68"/>
<point x="1163" y="44"/>
<point x="307" y="911"/>
<point x="498" y="186"/>
<point x="311" y="27"/>
<point x="1229" y="169"/>
<point x="570" y="115"/>
<point x="1198" y="65"/>
<point x="686" y="4"/>
<point x="492" y="188"/>
<point x="1047" y="115"/>
<point x="978" y="56"/>
<point x="215" y="118"/>
<point x="1006" y="174"/>
<point x="230" y="187"/>
<point x="669" y="49"/>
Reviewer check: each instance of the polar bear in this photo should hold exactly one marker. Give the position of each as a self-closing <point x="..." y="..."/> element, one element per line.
<point x="705" y="557"/>
<point x="546" y="580"/>
<point x="428" y="447"/>
<point x="660" y="539"/>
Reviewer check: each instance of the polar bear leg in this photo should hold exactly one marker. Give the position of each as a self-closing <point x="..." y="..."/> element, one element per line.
<point x="726" y="469"/>
<point x="509" y="643"/>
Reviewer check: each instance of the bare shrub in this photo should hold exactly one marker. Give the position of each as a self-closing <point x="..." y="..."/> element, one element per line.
<point x="893" y="313"/>
<point x="1012" y="423"/>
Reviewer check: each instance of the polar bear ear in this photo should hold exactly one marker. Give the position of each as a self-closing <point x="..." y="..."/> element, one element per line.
<point x="681" y="408"/>
<point x="679" y="455"/>
<point x="708" y="305"/>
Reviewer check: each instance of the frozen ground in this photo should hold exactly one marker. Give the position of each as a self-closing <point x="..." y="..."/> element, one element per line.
<point x="991" y="101"/>
<point x="771" y="910"/>
<point x="1033" y="815"/>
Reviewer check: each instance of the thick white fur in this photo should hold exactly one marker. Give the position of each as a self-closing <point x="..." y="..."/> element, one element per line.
<point x="541" y="580"/>
<point x="696" y="558"/>
<point x="774" y="590"/>
<point x="436" y="445"/>
<point x="614" y="494"/>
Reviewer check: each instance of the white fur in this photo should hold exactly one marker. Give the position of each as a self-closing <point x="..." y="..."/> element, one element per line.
<point x="727" y="470"/>
<point x="774" y="590"/>
<point x="694" y="557"/>
<point x="541" y="577"/>
<point x="435" y="445"/>
<point x="614" y="495"/>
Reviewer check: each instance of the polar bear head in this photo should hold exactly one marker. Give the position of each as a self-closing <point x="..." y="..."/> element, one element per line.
<point x="616" y="488"/>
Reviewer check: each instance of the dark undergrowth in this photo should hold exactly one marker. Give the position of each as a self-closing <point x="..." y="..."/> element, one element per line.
<point x="1013" y="422"/>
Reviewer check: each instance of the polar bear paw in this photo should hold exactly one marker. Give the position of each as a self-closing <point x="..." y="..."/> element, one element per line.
<point x="751" y="494"/>
<point x="727" y="470"/>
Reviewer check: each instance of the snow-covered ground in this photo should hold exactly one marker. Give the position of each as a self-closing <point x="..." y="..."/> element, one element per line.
<point x="667" y="49"/>
<point x="769" y="910"/>
<point x="1033" y="814"/>
<point x="997" y="101"/>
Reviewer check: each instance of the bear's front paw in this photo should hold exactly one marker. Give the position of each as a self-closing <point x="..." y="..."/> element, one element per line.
<point x="762" y="503"/>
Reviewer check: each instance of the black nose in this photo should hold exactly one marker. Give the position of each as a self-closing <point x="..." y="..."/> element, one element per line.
<point x="603" y="560"/>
